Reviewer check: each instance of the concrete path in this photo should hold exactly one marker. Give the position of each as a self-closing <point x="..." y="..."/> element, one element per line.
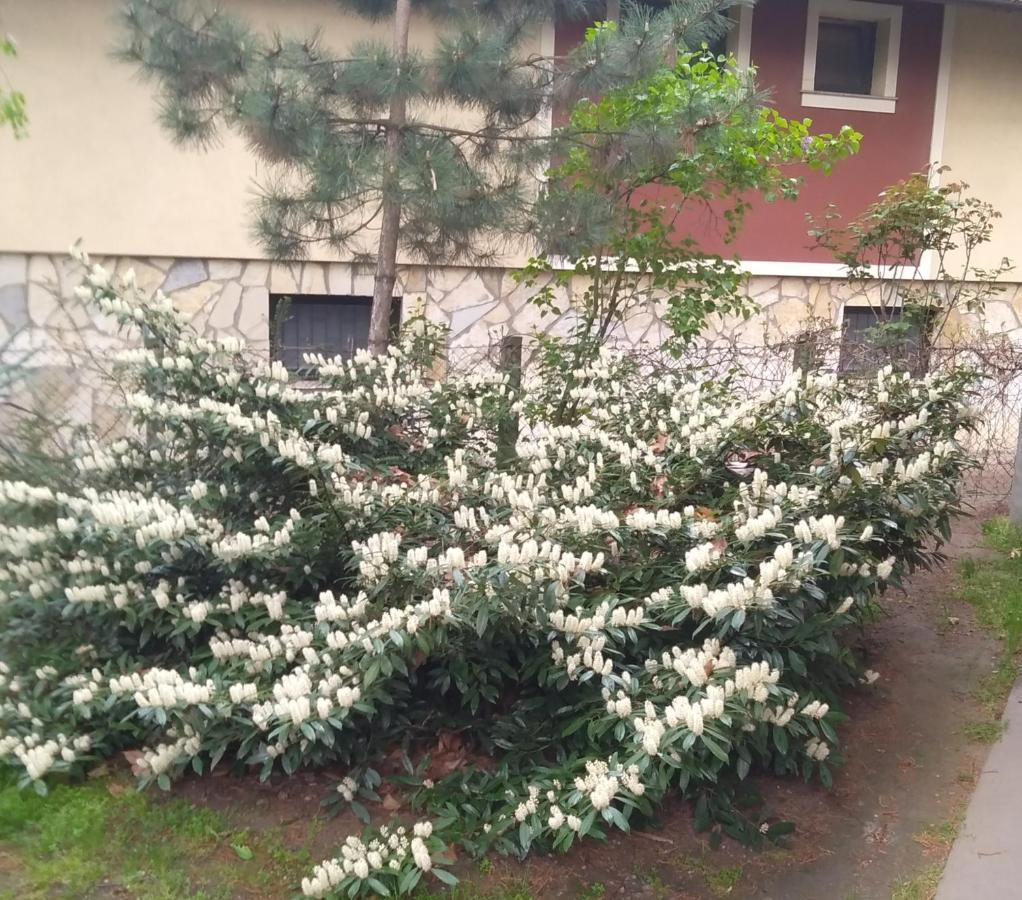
<point x="986" y="860"/>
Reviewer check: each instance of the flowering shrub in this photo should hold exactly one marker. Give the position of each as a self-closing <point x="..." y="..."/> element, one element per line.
<point x="648" y="599"/>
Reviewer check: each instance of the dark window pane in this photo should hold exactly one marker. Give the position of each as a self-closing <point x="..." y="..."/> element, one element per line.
<point x="874" y="338"/>
<point x="718" y="46"/>
<point x="331" y="325"/>
<point x="845" y="55"/>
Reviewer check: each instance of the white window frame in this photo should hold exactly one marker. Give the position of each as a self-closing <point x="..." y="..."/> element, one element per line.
<point x="885" y="69"/>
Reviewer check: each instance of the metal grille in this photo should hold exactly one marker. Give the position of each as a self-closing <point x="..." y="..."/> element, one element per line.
<point x="327" y="324"/>
<point x="52" y="392"/>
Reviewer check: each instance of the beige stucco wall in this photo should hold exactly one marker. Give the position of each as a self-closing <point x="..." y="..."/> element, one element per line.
<point x="97" y="166"/>
<point x="984" y="119"/>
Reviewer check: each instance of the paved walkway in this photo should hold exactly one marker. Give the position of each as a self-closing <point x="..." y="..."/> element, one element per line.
<point x="986" y="860"/>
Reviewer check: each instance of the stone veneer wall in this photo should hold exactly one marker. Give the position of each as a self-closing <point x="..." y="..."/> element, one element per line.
<point x="42" y="325"/>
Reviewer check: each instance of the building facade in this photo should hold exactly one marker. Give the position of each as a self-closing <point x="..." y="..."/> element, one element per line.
<point x="925" y="82"/>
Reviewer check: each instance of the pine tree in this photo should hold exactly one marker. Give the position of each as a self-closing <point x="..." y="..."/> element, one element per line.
<point x="362" y="141"/>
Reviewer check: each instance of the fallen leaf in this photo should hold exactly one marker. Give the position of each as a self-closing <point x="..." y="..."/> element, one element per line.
<point x="401" y="475"/>
<point x="449" y="740"/>
<point x="659" y="444"/>
<point x="242" y="851"/>
<point x="135" y="759"/>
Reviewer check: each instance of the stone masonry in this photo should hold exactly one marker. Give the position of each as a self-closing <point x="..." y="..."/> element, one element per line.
<point x="46" y="329"/>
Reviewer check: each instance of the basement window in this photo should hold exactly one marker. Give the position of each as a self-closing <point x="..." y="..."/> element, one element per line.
<point x="872" y="338"/>
<point x="851" y="55"/>
<point x="334" y="325"/>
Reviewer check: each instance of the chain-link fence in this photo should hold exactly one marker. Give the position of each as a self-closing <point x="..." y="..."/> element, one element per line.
<point x="56" y="381"/>
<point x="997" y="399"/>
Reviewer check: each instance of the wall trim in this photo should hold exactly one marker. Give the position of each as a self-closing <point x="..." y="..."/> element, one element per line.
<point x="943" y="94"/>
<point x="861" y="103"/>
<point x="938" y="133"/>
<point x="824" y="270"/>
<point x="743" y="41"/>
<point x="782" y="269"/>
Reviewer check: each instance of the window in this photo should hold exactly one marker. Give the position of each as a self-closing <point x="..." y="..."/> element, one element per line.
<point x="719" y="45"/>
<point x="845" y="53"/>
<point x="320" y="323"/>
<point x="872" y="338"/>
<point x="851" y="55"/>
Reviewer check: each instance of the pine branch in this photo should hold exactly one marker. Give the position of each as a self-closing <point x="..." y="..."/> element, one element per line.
<point x="472" y="138"/>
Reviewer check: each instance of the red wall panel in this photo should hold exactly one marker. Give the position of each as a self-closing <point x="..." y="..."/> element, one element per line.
<point x="893" y="146"/>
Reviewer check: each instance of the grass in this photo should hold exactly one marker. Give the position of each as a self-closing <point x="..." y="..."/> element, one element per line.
<point x="922" y="887"/>
<point x="85" y="838"/>
<point x="724" y="880"/>
<point x="720" y="882"/>
<point x="994" y="587"/>
<point x="103" y="838"/>
<point x="937" y="839"/>
<point x="984" y="732"/>
<point x="655" y="883"/>
<point x="514" y="891"/>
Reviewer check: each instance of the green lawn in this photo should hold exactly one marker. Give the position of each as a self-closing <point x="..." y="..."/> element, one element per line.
<point x="105" y="839"/>
<point x="994" y="587"/>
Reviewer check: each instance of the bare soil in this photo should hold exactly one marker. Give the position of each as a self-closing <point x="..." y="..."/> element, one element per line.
<point x="908" y="765"/>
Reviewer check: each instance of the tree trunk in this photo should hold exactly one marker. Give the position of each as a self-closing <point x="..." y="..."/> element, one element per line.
<point x="390" y="219"/>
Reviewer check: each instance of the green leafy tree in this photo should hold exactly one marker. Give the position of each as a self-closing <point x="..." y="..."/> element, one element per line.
<point x="616" y="214"/>
<point x="912" y="255"/>
<point x="431" y="151"/>
<point x="12" y="102"/>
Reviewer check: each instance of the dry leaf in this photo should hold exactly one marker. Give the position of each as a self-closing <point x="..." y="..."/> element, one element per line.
<point x="401" y="475"/>
<point x="134" y="758"/>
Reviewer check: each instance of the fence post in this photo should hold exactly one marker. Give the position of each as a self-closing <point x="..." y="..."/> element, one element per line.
<point x="511" y="365"/>
<point x="1015" y="495"/>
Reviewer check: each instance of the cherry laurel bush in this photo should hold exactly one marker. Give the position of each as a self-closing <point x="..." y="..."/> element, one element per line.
<point x="648" y="597"/>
